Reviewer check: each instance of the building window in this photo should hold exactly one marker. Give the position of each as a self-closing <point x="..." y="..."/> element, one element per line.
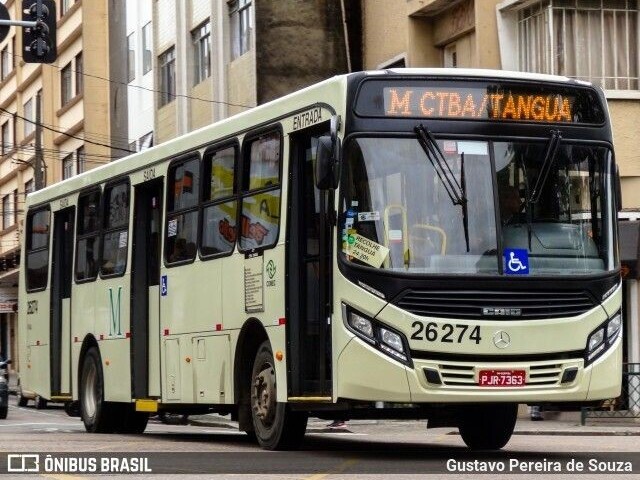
<point x="79" y="74"/>
<point x="147" y="42"/>
<point x="65" y="5"/>
<point x="593" y="40"/>
<point x="66" y="93"/>
<point x="7" y="213"/>
<point x="450" y="56"/>
<point x="29" y="187"/>
<point x="201" y="38"/>
<point x="167" y="76"/>
<point x="241" y="25"/>
<point x="5" y="62"/>
<point x="15" y="206"/>
<point x="131" y="57"/>
<point x="81" y="159"/>
<point x="29" y="117"/>
<point x="67" y="166"/>
<point x="6" y="138"/>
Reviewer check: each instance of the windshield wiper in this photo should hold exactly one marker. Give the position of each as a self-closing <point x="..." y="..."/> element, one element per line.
<point x="440" y="165"/>
<point x="549" y="157"/>
<point x="454" y="189"/>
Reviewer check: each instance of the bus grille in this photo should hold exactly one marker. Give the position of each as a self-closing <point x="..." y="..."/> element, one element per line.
<point x="465" y="375"/>
<point x="495" y="305"/>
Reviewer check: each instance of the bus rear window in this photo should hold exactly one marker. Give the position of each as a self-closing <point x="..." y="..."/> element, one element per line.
<point x="38" y="249"/>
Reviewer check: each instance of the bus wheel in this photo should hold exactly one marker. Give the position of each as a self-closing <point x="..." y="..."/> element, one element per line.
<point x="40" y="403"/>
<point x="96" y="414"/>
<point x="22" y="400"/>
<point x="488" y="427"/>
<point x="276" y="426"/>
<point x="132" y="421"/>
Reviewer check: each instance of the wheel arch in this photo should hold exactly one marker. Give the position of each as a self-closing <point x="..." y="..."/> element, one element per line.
<point x="251" y="336"/>
<point x="88" y="342"/>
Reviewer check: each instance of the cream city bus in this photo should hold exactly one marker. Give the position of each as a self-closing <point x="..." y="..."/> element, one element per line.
<point x="438" y="243"/>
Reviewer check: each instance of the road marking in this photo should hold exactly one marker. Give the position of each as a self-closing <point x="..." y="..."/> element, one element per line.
<point x="62" y="476"/>
<point x="24" y="424"/>
<point x="339" y="469"/>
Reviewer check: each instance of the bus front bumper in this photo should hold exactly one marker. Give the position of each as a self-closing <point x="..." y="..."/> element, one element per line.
<point x="366" y="374"/>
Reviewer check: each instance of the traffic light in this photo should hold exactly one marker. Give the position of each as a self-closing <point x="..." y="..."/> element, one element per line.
<point x="39" y="41"/>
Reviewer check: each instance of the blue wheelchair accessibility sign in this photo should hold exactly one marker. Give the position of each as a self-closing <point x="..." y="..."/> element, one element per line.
<point x="516" y="261"/>
<point x="163" y="286"/>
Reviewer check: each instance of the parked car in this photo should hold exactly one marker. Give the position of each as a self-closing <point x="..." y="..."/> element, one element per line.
<point x="4" y="388"/>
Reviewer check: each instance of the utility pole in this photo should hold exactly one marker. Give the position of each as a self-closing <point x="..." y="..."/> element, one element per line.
<point x="38" y="161"/>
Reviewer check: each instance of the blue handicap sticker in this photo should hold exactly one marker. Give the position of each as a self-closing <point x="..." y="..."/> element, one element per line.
<point x="516" y="261"/>
<point x="163" y="285"/>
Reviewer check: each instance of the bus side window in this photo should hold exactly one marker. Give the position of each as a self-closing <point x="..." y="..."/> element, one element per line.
<point x="260" y="216"/>
<point x="88" y="233"/>
<point x="219" y="226"/>
<point x="38" y="249"/>
<point x="182" y="211"/>
<point x="115" y="234"/>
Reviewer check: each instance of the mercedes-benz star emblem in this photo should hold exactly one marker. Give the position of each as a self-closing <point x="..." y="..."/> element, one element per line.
<point x="501" y="339"/>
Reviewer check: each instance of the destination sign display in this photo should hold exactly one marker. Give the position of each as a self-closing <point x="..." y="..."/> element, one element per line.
<point x="480" y="101"/>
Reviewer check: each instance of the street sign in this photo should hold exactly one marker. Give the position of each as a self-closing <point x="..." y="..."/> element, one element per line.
<point x="4" y="15"/>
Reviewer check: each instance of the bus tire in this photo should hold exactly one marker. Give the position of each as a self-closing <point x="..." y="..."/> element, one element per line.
<point x="276" y="426"/>
<point x="488" y="427"/>
<point x="40" y="402"/>
<point x="132" y="422"/>
<point x="97" y="415"/>
<point x="22" y="400"/>
<point x="3" y="412"/>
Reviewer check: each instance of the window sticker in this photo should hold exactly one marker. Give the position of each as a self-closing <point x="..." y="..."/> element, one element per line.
<point x="516" y="261"/>
<point x="368" y="216"/>
<point x="172" y="229"/>
<point x="365" y="250"/>
<point x="122" y="241"/>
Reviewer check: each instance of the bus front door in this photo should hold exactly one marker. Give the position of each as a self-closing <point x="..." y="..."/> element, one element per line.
<point x="145" y="290"/>
<point x="60" y="317"/>
<point x="309" y="273"/>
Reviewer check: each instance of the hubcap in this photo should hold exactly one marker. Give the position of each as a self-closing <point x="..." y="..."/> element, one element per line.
<point x="263" y="395"/>
<point x="90" y="394"/>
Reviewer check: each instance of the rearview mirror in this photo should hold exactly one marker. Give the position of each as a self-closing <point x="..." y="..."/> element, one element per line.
<point x="326" y="177"/>
<point x="328" y="159"/>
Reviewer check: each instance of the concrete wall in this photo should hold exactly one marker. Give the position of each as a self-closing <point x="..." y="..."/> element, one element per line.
<point x="298" y="43"/>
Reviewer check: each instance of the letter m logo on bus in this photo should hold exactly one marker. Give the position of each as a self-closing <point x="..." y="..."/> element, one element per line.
<point x="115" y="327"/>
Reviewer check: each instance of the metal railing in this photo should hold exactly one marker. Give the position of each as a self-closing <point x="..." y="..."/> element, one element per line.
<point x="627" y="405"/>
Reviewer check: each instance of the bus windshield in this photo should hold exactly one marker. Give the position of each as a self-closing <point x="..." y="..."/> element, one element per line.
<point x="398" y="212"/>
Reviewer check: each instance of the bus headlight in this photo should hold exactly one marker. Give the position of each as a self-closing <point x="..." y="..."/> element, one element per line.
<point x="361" y="324"/>
<point x="602" y="338"/>
<point x="380" y="336"/>
<point x="613" y="327"/>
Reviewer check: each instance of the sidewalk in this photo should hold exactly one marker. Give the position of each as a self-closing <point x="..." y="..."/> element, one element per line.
<point x="628" y="427"/>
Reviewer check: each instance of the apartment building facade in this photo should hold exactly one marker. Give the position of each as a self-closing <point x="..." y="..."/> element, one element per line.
<point x="81" y="122"/>
<point x="216" y="58"/>
<point x="593" y="40"/>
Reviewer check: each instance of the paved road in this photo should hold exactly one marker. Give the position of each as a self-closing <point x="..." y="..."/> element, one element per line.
<point x="366" y="450"/>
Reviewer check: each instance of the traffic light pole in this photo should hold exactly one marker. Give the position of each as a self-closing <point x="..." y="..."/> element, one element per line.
<point x="38" y="179"/>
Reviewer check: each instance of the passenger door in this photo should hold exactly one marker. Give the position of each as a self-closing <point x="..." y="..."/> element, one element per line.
<point x="145" y="290"/>
<point x="309" y="249"/>
<point x="60" y="316"/>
